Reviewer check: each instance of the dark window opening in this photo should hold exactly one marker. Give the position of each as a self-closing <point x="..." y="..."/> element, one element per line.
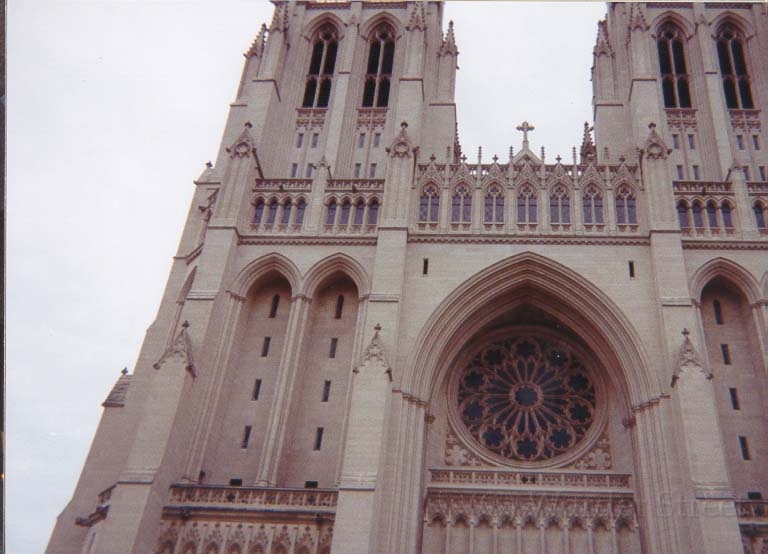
<point x="294" y="170"/>
<point x="712" y="215"/>
<point x="676" y="142"/>
<point x="733" y="69"/>
<point x="330" y="217"/>
<point x="272" y="215"/>
<point x="258" y="214"/>
<point x="359" y="212"/>
<point x="734" y="398"/>
<point x="698" y="220"/>
<point x="310" y="484"/>
<point x="256" y="389"/>
<point x="691" y="142"/>
<point x="265" y="347"/>
<point x="286" y="217"/>
<point x="325" y="93"/>
<point x="682" y="215"/>
<point x="334" y="345"/>
<point x="631" y="267"/>
<point x="740" y="142"/>
<point x="318" y="438"/>
<point x="726" y="352"/>
<point x="246" y="436"/>
<point x="326" y="391"/>
<point x="299" y="140"/>
<point x="756" y="142"/>
<point x="322" y="62"/>
<point x="759" y="216"/>
<point x="381" y="59"/>
<point x="425" y="266"/>
<point x="744" y="448"/>
<point x="339" y="306"/>
<point x="754" y="495"/>
<point x="309" y="93"/>
<point x="236" y="482"/>
<point x="674" y="77"/>
<point x="346" y="208"/>
<point x="725" y="213"/>
<point x="301" y="206"/>
<point x="718" y="312"/>
<point x="373" y="213"/>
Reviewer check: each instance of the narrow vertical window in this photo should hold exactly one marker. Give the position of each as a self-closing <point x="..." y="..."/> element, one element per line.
<point x="674" y="75"/>
<point x="461" y="205"/>
<point x="631" y="268"/>
<point x="626" y="207"/>
<point x="381" y="57"/>
<point x="679" y="169"/>
<point x="734" y="398"/>
<point x="726" y="352"/>
<point x="425" y="266"/>
<point x="273" y="307"/>
<point x="256" y="389"/>
<point x="308" y="173"/>
<point x="740" y="142"/>
<point x="725" y="214"/>
<point x="286" y="217"/>
<point x="429" y="204"/>
<point x="698" y="220"/>
<point x="682" y="215"/>
<point x="361" y="140"/>
<point x="315" y="139"/>
<point x="745" y="169"/>
<point x="334" y="345"/>
<point x="339" y="306"/>
<point x="691" y="142"/>
<point x="299" y="140"/>
<point x="326" y="391"/>
<point x="318" y="438"/>
<point x="376" y="140"/>
<point x="294" y="170"/>
<point x="246" y="437"/>
<point x="559" y="206"/>
<point x="372" y="173"/>
<point x="718" y="309"/>
<point x="696" y="175"/>
<point x="744" y="448"/>
<point x="676" y="141"/>
<point x="330" y="216"/>
<point x="756" y="142"/>
<point x="301" y="207"/>
<point x="265" y="347"/>
<point x="359" y="212"/>
<point x="317" y="91"/>
<point x="358" y="167"/>
<point x="346" y="209"/>
<point x="494" y="205"/>
<point x="526" y="205"/>
<point x="733" y="69"/>
<point x="712" y="215"/>
<point x="373" y="212"/>
<point x="759" y="215"/>
<point x="259" y="213"/>
<point x="272" y="214"/>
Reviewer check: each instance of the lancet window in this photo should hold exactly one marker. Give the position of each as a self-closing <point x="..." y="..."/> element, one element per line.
<point x="461" y="205"/>
<point x="317" y="91"/>
<point x="301" y="207"/>
<point x="373" y="212"/>
<point x="733" y="68"/>
<point x="494" y="205"/>
<point x="760" y="209"/>
<point x="429" y="204"/>
<point x="712" y="215"/>
<point x="381" y="58"/>
<point x="330" y="214"/>
<point x="285" y="218"/>
<point x="359" y="212"/>
<point x="725" y="215"/>
<point x="526" y="205"/>
<point x="272" y="211"/>
<point x="674" y="75"/>
<point x="626" y="206"/>
<point x="592" y="206"/>
<point x="259" y="212"/>
<point x="559" y="206"/>
<point x="682" y="215"/>
<point x="346" y="208"/>
<point x="698" y="220"/>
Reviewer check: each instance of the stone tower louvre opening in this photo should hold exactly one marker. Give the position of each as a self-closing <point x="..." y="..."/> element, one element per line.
<point x="371" y="343"/>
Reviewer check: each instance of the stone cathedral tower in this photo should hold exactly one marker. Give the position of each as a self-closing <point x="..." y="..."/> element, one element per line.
<point x="370" y="344"/>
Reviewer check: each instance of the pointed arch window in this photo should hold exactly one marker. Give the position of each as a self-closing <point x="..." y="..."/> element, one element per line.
<point x="674" y="74"/>
<point x="682" y="215"/>
<point x="526" y="205"/>
<point x="559" y="206"/>
<point x="759" y="209"/>
<point x="346" y="208"/>
<point x="725" y="214"/>
<point x="494" y="205"/>
<point x="359" y="212"/>
<point x="286" y="216"/>
<point x="301" y="207"/>
<point x="259" y="212"/>
<point x="733" y="68"/>
<point x="317" y="91"/>
<point x="429" y="204"/>
<point x="272" y="213"/>
<point x="593" y="206"/>
<point x="626" y="207"/>
<point x="330" y="215"/>
<point x="381" y="58"/>
<point x="712" y="215"/>
<point x="461" y="205"/>
<point x="373" y="212"/>
<point x="698" y="220"/>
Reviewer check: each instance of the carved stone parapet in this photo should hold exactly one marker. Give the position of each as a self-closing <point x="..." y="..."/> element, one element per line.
<point x="745" y="120"/>
<point x="681" y="119"/>
<point x="310" y="118"/>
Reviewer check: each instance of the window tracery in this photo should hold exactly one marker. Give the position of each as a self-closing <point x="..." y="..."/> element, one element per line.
<point x="461" y="205"/>
<point x="682" y="215"/>
<point x="733" y="68"/>
<point x="272" y="211"/>
<point x="429" y="204"/>
<point x="526" y="398"/>
<point x="626" y="206"/>
<point x="559" y="206"/>
<point x="317" y="91"/>
<point x="759" y="209"/>
<point x="373" y="212"/>
<point x="330" y="213"/>
<point x="674" y="75"/>
<point x="259" y="211"/>
<point x="698" y="220"/>
<point x="526" y="205"/>
<point x="494" y="205"/>
<point x="592" y="206"/>
<point x="381" y="58"/>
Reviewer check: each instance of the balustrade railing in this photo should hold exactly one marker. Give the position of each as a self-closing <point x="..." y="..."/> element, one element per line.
<point x="315" y="500"/>
<point x="566" y="480"/>
<point x="754" y="510"/>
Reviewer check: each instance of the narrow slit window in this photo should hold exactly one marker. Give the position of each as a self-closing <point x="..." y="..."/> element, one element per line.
<point x="358" y="167"/>
<point x="246" y="437"/>
<point x="756" y="142"/>
<point x="334" y="346"/>
<point x="318" y="438"/>
<point x="361" y="140"/>
<point x="372" y="173"/>
<point x="676" y="141"/>
<point x="315" y="139"/>
<point x="310" y="484"/>
<point x="308" y="173"/>
<point x="740" y="142"/>
<point x="376" y="140"/>
<point x="734" y="398"/>
<point x="274" y="306"/>
<point x="265" y="347"/>
<point x="299" y="140"/>
<point x="691" y="142"/>
<point x="696" y="175"/>
<point x="726" y="352"/>
<point x="236" y="482"/>
<point x="679" y="169"/>
<point x="754" y="495"/>
<point x="718" y="309"/>
<point x="326" y="391"/>
<point x="744" y="448"/>
<point x="256" y="390"/>
<point x="745" y="169"/>
<point x="339" y="306"/>
<point x="631" y="268"/>
<point x="425" y="266"/>
<point x="763" y="173"/>
<point x="294" y="170"/>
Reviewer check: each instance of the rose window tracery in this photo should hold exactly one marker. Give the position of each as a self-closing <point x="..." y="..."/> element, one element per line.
<point x="526" y="399"/>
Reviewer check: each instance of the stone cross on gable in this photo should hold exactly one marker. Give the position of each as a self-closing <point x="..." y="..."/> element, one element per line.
<point x="525" y="127"/>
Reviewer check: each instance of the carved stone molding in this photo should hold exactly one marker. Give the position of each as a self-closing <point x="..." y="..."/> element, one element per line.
<point x="688" y="360"/>
<point x="598" y="458"/>
<point x="373" y="357"/>
<point x="181" y="347"/>
<point x="654" y="147"/>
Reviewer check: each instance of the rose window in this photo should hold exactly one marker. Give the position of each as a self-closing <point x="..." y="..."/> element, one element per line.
<point x="526" y="399"/>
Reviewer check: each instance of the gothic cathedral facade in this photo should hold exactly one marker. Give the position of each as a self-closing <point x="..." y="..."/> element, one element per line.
<point x="370" y="344"/>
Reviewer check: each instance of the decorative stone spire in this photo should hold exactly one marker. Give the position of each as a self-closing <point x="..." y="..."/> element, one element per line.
<point x="588" y="153"/>
<point x="418" y="20"/>
<point x="373" y="357"/>
<point x="116" y="397"/>
<point x="525" y="127"/>
<point x="181" y="347"/>
<point x="603" y="45"/>
<point x="637" y="19"/>
<point x="449" y="43"/>
<point x="655" y="148"/>
<point x="258" y="44"/>
<point x="688" y="360"/>
<point x="280" y="19"/>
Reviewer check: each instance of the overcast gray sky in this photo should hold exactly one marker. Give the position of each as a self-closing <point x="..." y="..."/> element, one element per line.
<point x="114" y="106"/>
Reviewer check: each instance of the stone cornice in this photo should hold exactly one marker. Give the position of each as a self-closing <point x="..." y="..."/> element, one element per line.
<point x="724" y="245"/>
<point x="315" y="240"/>
<point x="534" y="239"/>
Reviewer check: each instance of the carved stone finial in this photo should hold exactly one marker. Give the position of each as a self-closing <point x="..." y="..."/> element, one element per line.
<point x="185" y="324"/>
<point x="622" y="159"/>
<point x="637" y="19"/>
<point x="401" y="146"/>
<point x="685" y="332"/>
<point x="655" y="148"/>
<point x="258" y="44"/>
<point x="373" y="357"/>
<point x="208" y="164"/>
<point x="280" y="20"/>
<point x="418" y="19"/>
<point x="602" y="45"/>
<point x="688" y="360"/>
<point x="124" y="371"/>
<point x="244" y="145"/>
<point x="588" y="150"/>
<point x="377" y="327"/>
<point x="463" y="158"/>
<point x="558" y="159"/>
<point x="525" y="127"/>
<point x="495" y="158"/>
<point x="449" y="43"/>
<point x="432" y="158"/>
